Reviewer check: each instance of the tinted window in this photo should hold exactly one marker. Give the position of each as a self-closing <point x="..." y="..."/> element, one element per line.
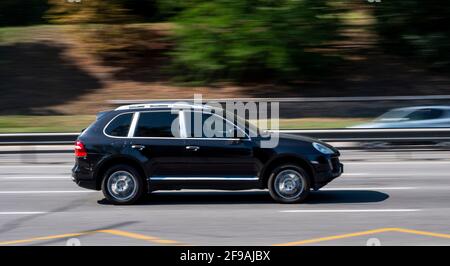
<point x="157" y="124"/>
<point x="208" y="125"/>
<point x="425" y="114"/>
<point x="119" y="126"/>
<point x="394" y="116"/>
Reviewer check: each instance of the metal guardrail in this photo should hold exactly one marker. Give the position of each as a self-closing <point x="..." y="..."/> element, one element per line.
<point x="371" y="135"/>
<point x="331" y="135"/>
<point x="295" y="99"/>
<point x="38" y="139"/>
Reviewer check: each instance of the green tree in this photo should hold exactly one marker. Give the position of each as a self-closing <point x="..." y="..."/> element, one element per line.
<point x="247" y="39"/>
<point x="416" y="28"/>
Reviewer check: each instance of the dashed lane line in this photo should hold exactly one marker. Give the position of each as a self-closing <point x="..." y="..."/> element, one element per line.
<point x="46" y="191"/>
<point x="367" y="188"/>
<point x="349" y="210"/>
<point x="21" y="213"/>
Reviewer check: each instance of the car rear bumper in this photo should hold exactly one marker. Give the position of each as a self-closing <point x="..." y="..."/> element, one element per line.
<point x="83" y="179"/>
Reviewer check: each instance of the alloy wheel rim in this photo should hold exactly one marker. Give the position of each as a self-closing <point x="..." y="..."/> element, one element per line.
<point x="122" y="185"/>
<point x="289" y="184"/>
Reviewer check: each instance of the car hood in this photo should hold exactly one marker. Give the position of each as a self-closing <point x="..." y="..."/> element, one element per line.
<point x="292" y="137"/>
<point x="295" y="140"/>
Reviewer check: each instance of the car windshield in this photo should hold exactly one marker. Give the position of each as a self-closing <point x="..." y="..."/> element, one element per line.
<point x="250" y="127"/>
<point x="409" y="115"/>
<point x="394" y="116"/>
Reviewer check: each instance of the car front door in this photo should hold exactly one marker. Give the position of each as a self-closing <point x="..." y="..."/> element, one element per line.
<point x="217" y="156"/>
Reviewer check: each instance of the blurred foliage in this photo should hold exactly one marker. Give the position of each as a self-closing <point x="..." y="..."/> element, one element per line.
<point x="144" y="10"/>
<point x="416" y="28"/>
<point x="103" y="25"/>
<point x="88" y="11"/>
<point x="22" y="12"/>
<point x="115" y="44"/>
<point x="155" y="10"/>
<point x="248" y="39"/>
<point x="244" y="40"/>
<point x="113" y="11"/>
<point x="171" y="8"/>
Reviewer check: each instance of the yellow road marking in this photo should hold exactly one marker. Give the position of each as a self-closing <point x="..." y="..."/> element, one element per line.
<point x="138" y="236"/>
<point x="363" y="233"/>
<point x="105" y="231"/>
<point x="423" y="233"/>
<point x="173" y="242"/>
<point x="43" y="238"/>
<point x="328" y="238"/>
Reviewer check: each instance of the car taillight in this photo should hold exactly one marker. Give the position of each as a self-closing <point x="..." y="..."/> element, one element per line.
<point x="80" y="150"/>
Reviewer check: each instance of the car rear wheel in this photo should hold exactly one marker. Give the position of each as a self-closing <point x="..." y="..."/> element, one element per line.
<point x="289" y="184"/>
<point x="122" y="185"/>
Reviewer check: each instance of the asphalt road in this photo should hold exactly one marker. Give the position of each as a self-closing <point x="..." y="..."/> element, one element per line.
<point x="383" y="198"/>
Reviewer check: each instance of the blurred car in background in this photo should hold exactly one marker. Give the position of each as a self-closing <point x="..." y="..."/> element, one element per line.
<point x="411" y="117"/>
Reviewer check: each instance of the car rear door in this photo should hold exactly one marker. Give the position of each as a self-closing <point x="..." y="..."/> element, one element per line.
<point x="157" y="144"/>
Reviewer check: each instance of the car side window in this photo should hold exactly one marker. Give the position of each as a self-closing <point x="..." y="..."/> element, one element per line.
<point x="425" y="114"/>
<point x="119" y="126"/>
<point x="209" y="125"/>
<point x="157" y="124"/>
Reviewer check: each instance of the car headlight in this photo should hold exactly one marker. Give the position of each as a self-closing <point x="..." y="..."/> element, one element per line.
<point x="322" y="148"/>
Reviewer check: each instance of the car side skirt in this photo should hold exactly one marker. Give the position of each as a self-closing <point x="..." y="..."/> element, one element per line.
<point x="203" y="182"/>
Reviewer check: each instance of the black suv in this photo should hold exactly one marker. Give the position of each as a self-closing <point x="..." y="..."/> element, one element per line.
<point x="137" y="149"/>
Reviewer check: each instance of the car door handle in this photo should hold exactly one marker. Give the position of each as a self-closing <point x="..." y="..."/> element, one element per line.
<point x="192" y="148"/>
<point x="138" y="147"/>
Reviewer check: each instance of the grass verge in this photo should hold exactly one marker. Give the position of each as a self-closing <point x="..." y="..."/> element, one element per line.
<point x="35" y="124"/>
<point x="75" y="123"/>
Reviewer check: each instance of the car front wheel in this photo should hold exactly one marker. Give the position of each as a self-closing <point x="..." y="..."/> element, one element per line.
<point x="122" y="185"/>
<point x="289" y="184"/>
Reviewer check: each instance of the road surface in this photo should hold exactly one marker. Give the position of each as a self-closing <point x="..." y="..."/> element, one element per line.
<point x="387" y="198"/>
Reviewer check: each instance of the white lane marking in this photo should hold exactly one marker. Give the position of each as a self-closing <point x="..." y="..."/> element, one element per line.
<point x="35" y="177"/>
<point x="394" y="174"/>
<point x="20" y="213"/>
<point x="355" y="174"/>
<point x="46" y="191"/>
<point x="418" y="162"/>
<point x="368" y="188"/>
<point x="376" y="174"/>
<point x="351" y="210"/>
<point x="20" y="166"/>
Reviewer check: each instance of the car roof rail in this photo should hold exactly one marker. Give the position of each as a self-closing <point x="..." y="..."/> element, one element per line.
<point x="162" y="105"/>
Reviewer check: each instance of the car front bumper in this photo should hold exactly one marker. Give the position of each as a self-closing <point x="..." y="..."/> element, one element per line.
<point x="327" y="171"/>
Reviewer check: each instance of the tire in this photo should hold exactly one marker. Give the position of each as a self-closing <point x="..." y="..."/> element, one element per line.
<point x="123" y="185"/>
<point x="294" y="189"/>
